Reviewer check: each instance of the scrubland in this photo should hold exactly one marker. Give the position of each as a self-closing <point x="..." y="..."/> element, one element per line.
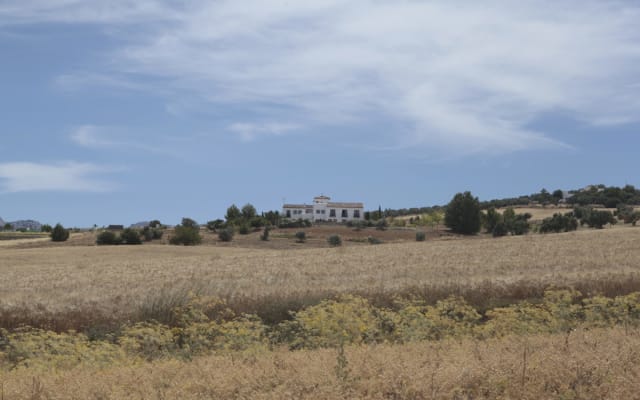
<point x="535" y="316"/>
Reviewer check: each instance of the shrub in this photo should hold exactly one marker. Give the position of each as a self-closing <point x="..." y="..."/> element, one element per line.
<point x="107" y="238"/>
<point x="225" y="235"/>
<point x="500" y="229"/>
<point x="186" y="235"/>
<point x="420" y="236"/>
<point x="130" y="236"/>
<point x="463" y="214"/>
<point x="301" y="237"/>
<point x="243" y="229"/>
<point x="334" y="240"/>
<point x="381" y="225"/>
<point x="46" y="228"/>
<point x="373" y="240"/>
<point x="265" y="233"/>
<point x="152" y="233"/>
<point x="59" y="233"/>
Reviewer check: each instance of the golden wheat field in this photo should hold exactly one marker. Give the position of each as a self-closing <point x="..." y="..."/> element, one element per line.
<point x="117" y="277"/>
<point x="584" y="364"/>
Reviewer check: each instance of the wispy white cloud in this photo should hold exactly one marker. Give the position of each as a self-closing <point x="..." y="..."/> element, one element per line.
<point x="65" y="176"/>
<point x="466" y="76"/>
<point x="101" y="137"/>
<point x="250" y="131"/>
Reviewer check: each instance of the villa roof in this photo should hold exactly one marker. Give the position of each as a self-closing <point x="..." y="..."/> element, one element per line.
<point x="345" y="205"/>
<point x="297" y="206"/>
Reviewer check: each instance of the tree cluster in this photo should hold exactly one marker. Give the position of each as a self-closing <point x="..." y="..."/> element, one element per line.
<point x="506" y="223"/>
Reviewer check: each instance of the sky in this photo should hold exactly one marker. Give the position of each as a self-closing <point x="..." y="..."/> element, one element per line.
<point x="119" y="111"/>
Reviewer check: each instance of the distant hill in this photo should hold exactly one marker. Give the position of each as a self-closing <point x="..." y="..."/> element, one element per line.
<point x="2" y="222"/>
<point x="28" y="224"/>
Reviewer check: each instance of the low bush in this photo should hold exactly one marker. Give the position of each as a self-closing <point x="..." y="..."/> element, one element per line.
<point x="59" y="233"/>
<point x="334" y="240"/>
<point x="373" y="240"/>
<point x="107" y="238"/>
<point x="186" y="235"/>
<point x="225" y="235"/>
<point x="301" y="237"/>
<point x="420" y="236"/>
<point x="130" y="236"/>
<point x="243" y="229"/>
<point x="265" y="234"/>
<point x="381" y="225"/>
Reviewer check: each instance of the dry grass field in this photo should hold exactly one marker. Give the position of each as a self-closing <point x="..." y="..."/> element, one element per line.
<point x="593" y="364"/>
<point x="118" y="280"/>
<point x="103" y="290"/>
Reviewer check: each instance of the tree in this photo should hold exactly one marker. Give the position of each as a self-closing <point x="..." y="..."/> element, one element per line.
<point x="189" y="223"/>
<point x="492" y="218"/>
<point x="557" y="196"/>
<point x="46" y="228"/>
<point x="463" y="214"/>
<point x="599" y="218"/>
<point x="214" y="225"/>
<point x="59" y="233"/>
<point x="155" y="224"/>
<point x="233" y="214"/>
<point x="248" y="212"/>
<point x="8" y="227"/>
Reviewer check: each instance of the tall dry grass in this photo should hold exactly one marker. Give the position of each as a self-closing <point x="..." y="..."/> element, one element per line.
<point x="583" y="364"/>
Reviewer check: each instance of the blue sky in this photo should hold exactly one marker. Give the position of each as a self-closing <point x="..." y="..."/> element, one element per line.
<point x="117" y="111"/>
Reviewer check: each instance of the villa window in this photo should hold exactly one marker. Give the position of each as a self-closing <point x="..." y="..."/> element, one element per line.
<point x="345" y="214"/>
<point x="288" y="213"/>
<point x="332" y="213"/>
<point x="356" y="213"/>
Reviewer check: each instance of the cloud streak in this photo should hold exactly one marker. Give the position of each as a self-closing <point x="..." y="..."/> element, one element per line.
<point x="465" y="76"/>
<point x="250" y="131"/>
<point x="60" y="177"/>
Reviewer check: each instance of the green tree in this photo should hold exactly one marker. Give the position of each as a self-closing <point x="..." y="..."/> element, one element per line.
<point x="214" y="225"/>
<point x="492" y="218"/>
<point x="189" y="223"/>
<point x="233" y="214"/>
<point x="46" y="228"/>
<point x="248" y="212"/>
<point x="463" y="214"/>
<point x="59" y="233"/>
<point x="8" y="227"/>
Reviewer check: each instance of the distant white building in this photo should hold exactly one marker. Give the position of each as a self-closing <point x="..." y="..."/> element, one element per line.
<point x="323" y="209"/>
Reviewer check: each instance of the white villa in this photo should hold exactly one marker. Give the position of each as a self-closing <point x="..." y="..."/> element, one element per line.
<point x="324" y="210"/>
